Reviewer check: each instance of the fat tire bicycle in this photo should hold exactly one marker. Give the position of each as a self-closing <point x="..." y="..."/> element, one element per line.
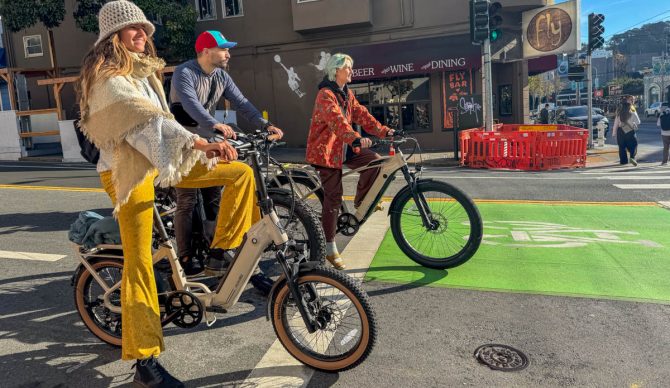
<point x="433" y="222"/>
<point x="321" y="316"/>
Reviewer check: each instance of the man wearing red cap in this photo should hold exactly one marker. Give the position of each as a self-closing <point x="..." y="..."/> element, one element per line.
<point x="197" y="86"/>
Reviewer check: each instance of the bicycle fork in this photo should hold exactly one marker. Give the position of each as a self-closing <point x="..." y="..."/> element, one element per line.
<point x="419" y="199"/>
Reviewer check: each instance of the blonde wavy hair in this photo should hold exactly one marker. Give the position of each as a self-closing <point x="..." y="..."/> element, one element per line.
<point x="107" y="59"/>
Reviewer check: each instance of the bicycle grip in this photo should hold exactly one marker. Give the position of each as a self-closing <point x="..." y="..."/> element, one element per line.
<point x="356" y="146"/>
<point x="212" y="154"/>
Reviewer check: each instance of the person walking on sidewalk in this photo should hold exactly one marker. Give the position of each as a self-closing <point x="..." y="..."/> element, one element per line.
<point x="197" y="86"/>
<point x="330" y="145"/>
<point x="125" y="114"/>
<point x="544" y="114"/>
<point x="625" y="126"/>
<point x="664" y="123"/>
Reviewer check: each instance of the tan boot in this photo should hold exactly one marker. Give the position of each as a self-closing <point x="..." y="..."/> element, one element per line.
<point x="336" y="261"/>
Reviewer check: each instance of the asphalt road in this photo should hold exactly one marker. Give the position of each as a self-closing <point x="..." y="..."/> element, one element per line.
<point x="427" y="335"/>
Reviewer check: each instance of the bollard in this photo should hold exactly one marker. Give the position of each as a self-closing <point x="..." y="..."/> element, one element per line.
<point x="601" y="133"/>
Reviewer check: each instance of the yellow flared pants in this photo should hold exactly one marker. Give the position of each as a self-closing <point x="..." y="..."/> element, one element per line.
<point x="140" y="316"/>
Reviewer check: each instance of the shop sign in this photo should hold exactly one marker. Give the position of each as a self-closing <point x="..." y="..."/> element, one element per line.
<point x="419" y="56"/>
<point x="551" y="30"/>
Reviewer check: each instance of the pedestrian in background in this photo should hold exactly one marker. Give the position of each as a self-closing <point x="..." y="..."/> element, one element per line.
<point x="625" y="126"/>
<point x="664" y="123"/>
<point x="544" y="114"/>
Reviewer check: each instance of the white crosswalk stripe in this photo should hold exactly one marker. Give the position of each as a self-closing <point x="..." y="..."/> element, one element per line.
<point x="646" y="176"/>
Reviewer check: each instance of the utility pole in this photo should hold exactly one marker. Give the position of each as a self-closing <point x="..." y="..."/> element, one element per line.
<point x="488" y="103"/>
<point x="484" y="28"/>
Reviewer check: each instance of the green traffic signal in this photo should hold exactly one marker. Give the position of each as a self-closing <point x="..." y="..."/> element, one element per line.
<point x="495" y="34"/>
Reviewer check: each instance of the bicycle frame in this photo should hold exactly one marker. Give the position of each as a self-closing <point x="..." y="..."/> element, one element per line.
<point x="389" y="166"/>
<point x="232" y="284"/>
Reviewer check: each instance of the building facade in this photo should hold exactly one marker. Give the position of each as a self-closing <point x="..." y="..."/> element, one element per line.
<point x="414" y="65"/>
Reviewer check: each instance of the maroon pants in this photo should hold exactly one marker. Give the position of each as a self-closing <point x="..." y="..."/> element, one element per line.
<point x="331" y="180"/>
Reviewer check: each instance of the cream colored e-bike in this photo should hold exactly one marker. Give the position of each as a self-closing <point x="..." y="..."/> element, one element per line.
<point x="321" y="316"/>
<point x="433" y="222"/>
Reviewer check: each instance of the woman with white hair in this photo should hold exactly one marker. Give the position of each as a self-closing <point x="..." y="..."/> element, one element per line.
<point x="333" y="141"/>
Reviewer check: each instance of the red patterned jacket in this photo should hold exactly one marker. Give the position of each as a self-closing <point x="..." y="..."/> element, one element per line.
<point x="330" y="129"/>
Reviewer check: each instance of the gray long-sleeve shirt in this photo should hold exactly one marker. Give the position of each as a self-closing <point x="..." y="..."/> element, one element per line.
<point x="192" y="86"/>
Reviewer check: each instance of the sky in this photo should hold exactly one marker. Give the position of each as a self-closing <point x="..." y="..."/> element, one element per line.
<point x="622" y="15"/>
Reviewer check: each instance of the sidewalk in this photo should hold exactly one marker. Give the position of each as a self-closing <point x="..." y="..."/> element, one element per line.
<point x="429" y="159"/>
<point x="596" y="157"/>
<point x="609" y="155"/>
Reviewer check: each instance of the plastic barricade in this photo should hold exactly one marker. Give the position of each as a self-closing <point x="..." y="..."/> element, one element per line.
<point x="524" y="147"/>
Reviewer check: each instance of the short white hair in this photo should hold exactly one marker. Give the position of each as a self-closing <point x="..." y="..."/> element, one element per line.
<point x="337" y="61"/>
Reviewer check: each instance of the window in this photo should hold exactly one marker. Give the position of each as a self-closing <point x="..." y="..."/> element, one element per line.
<point x="206" y="9"/>
<point x="32" y="46"/>
<point x="399" y="103"/>
<point x="232" y="8"/>
<point x="505" y="100"/>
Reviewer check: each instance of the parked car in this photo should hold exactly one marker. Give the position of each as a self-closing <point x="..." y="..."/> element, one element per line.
<point x="655" y="109"/>
<point x="577" y="116"/>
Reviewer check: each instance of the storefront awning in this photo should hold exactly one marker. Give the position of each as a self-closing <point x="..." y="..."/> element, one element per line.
<point x="542" y="64"/>
<point x="409" y="57"/>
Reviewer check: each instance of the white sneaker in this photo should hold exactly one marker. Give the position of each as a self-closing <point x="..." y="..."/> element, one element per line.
<point x="633" y="162"/>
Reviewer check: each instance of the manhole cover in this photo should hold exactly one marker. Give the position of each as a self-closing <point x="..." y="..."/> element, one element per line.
<point x="501" y="357"/>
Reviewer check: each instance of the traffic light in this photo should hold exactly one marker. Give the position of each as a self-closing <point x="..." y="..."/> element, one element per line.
<point x="596" y="31"/>
<point x="495" y="21"/>
<point x="479" y="21"/>
<point x="576" y="73"/>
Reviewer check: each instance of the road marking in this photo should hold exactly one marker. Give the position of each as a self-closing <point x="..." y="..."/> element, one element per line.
<point x="76" y="167"/>
<point x="278" y="368"/>
<point x="625" y="170"/>
<point x="53" y="188"/>
<point x="30" y="256"/>
<point x="633" y="177"/>
<point x="351" y="198"/>
<point x="643" y="186"/>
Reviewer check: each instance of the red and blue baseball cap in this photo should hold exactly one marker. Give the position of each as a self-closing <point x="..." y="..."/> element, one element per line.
<point x="211" y="39"/>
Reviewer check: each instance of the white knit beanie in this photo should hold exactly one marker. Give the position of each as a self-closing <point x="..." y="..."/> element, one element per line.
<point x="118" y="14"/>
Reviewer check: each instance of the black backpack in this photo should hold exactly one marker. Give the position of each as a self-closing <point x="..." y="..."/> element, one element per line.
<point x="665" y="121"/>
<point x="88" y="150"/>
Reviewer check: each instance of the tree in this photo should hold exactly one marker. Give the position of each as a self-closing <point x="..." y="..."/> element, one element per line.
<point x="650" y="38"/>
<point x="539" y="86"/>
<point x="174" y="36"/>
<point x="21" y="14"/>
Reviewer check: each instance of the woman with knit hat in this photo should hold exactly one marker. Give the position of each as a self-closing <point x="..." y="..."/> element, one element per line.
<point x="124" y="113"/>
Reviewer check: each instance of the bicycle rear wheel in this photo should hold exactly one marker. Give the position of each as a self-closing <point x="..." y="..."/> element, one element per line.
<point x="88" y="299"/>
<point x="456" y="230"/>
<point x="346" y="328"/>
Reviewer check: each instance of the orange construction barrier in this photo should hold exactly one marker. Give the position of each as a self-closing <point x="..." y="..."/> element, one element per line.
<point x="524" y="147"/>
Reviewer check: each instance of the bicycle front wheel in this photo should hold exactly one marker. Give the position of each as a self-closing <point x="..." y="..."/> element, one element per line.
<point x="455" y="231"/>
<point x="346" y="329"/>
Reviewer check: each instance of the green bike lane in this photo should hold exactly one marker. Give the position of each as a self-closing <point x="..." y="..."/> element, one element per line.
<point x="580" y="288"/>
<point x="593" y="250"/>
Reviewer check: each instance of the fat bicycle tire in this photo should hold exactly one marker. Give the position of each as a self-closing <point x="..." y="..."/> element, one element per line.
<point x="305" y="216"/>
<point x="93" y="313"/>
<point x="282" y="312"/>
<point x="456" y="197"/>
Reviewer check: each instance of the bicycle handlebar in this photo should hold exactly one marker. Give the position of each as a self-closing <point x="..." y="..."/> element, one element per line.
<point x="397" y="138"/>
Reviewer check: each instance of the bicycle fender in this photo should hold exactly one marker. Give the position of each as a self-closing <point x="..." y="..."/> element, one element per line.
<point x="277" y="190"/>
<point x="304" y="268"/>
<point x="405" y="189"/>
